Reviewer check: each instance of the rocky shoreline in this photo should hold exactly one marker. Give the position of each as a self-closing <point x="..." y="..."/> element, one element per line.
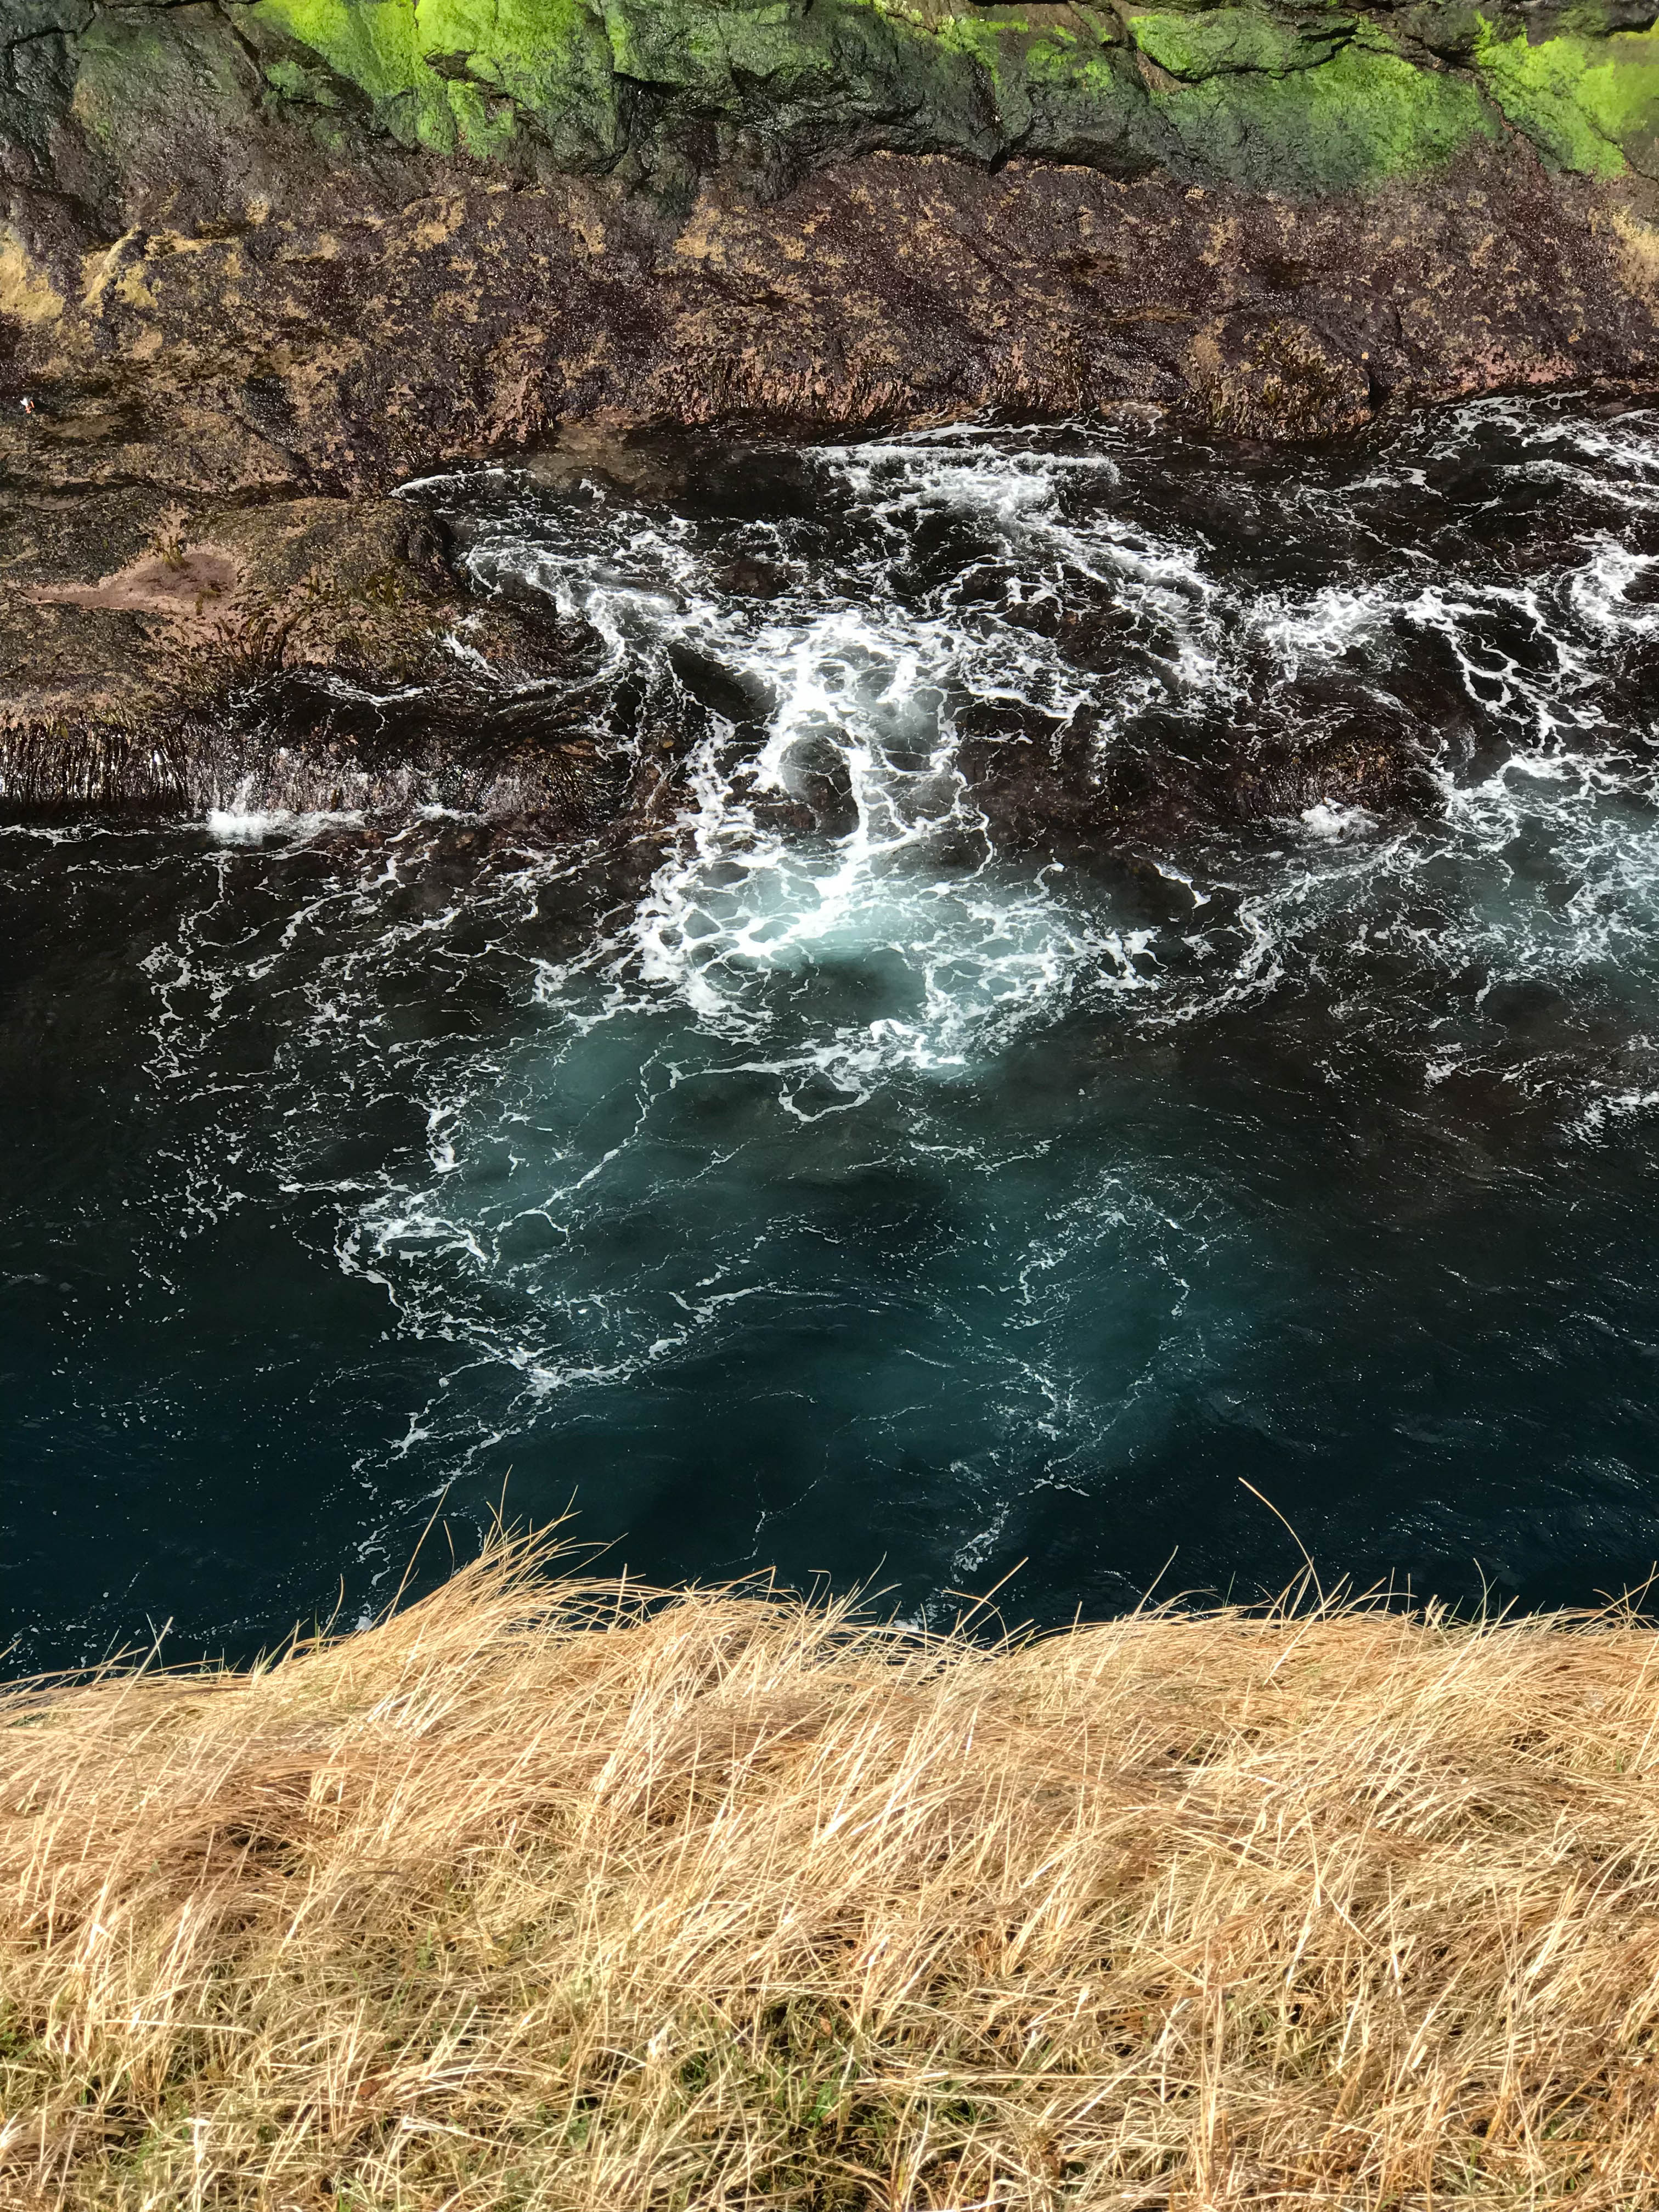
<point x="262" y="262"/>
<point x="298" y="654"/>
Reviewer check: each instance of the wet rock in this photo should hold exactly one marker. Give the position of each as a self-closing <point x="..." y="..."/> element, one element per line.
<point x="1272" y="376"/>
<point x="306" y="652"/>
<point x="263" y="255"/>
<point x="1047" y="785"/>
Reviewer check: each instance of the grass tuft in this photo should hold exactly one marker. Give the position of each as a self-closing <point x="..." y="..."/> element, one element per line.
<point x="548" y="1894"/>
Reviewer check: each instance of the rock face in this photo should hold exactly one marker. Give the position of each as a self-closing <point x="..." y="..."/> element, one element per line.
<point x="262" y="259"/>
<point x="300" y="652"/>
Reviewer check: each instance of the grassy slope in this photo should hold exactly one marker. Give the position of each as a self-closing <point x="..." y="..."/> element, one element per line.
<point x="537" y="1895"/>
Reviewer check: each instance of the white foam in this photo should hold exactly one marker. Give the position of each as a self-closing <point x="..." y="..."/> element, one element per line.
<point x="831" y="994"/>
<point x="1327" y="819"/>
<point x="245" y="825"/>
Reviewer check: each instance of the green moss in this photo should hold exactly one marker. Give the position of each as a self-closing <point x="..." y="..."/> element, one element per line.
<point x="1226" y="40"/>
<point x="1364" y="115"/>
<point x="1588" y="103"/>
<point x="1312" y="104"/>
<point x="1089" y="71"/>
<point x="979" y="40"/>
<point x="1053" y="86"/>
<point x="445" y="74"/>
<point x="710" y="49"/>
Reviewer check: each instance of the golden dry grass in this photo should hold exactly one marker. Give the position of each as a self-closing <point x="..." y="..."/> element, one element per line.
<point x="543" y="1894"/>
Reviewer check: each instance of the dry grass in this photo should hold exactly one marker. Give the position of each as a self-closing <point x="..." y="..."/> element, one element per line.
<point x="544" y="1895"/>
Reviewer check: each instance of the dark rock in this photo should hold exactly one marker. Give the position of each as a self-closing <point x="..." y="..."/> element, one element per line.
<point x="261" y="256"/>
<point x="304" y="653"/>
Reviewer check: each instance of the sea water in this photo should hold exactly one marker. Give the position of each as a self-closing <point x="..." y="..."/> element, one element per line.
<point x="828" y="1169"/>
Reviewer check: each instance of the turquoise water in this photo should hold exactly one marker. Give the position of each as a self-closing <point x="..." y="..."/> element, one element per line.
<point x="858" y="1160"/>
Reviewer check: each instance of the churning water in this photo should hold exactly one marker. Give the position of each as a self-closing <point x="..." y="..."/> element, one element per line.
<point x="1014" y="1072"/>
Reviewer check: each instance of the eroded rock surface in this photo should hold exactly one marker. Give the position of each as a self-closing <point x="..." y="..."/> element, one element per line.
<point x="302" y="653"/>
<point x="262" y="260"/>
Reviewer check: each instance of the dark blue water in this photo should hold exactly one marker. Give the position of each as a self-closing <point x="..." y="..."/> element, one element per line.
<point x="830" y="1167"/>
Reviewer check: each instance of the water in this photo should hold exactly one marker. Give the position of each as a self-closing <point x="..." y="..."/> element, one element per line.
<point x="1128" y="971"/>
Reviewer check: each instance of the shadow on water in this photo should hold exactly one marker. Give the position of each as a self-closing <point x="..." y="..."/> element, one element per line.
<point x="1142" y="980"/>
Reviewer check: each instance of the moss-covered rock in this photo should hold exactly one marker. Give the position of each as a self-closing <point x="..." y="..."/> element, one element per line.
<point x="1337" y="112"/>
<point x="1589" y="104"/>
<point x="448" y="74"/>
<point x="1303" y="100"/>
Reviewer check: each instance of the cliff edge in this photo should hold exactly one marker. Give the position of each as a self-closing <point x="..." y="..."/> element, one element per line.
<point x="264" y="252"/>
